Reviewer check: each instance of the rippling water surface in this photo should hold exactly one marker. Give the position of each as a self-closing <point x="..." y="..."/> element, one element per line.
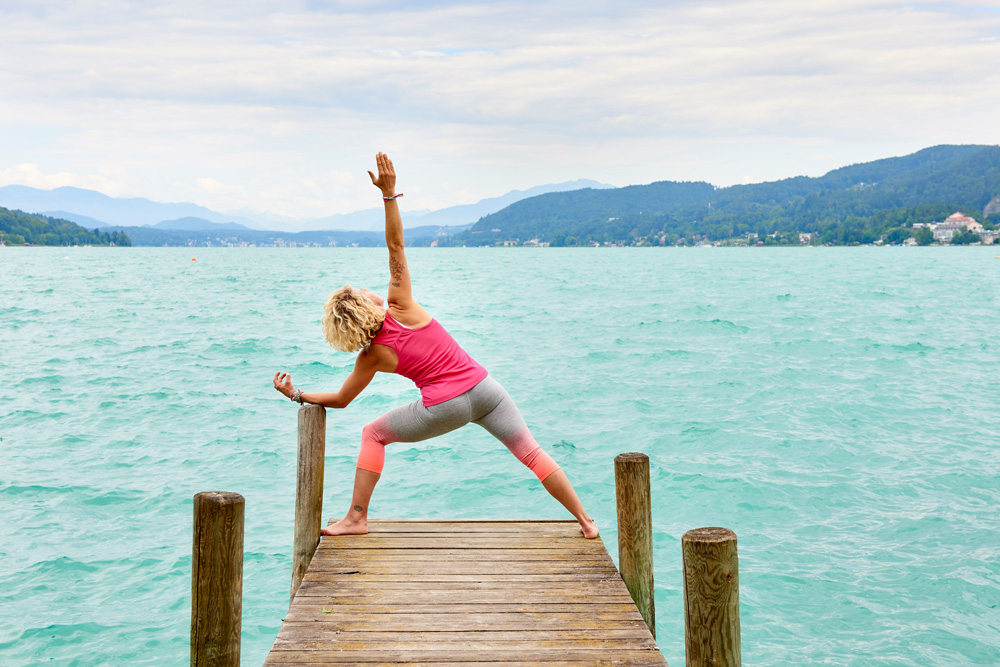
<point x="838" y="408"/>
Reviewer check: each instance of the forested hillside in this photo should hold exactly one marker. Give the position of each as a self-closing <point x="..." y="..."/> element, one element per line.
<point x="856" y="204"/>
<point x="19" y="228"/>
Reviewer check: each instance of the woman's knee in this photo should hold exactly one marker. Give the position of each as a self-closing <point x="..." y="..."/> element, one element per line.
<point x="527" y="450"/>
<point x="374" y="437"/>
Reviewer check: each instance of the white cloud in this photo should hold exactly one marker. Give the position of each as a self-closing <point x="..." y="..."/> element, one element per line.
<point x="31" y="175"/>
<point x="106" y="180"/>
<point x="222" y="195"/>
<point x="286" y="104"/>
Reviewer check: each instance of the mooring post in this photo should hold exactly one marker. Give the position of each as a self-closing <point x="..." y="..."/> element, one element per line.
<point x="309" y="490"/>
<point x="635" y="532"/>
<point x="711" y="598"/>
<point x="217" y="579"/>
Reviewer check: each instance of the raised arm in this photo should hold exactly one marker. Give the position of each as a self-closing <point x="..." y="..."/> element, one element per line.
<point x="400" y="297"/>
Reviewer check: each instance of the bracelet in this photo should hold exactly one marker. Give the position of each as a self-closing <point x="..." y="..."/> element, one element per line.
<point x="392" y="197"/>
<point x="297" y="396"/>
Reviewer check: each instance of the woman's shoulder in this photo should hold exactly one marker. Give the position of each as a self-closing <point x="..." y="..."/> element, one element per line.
<point x="414" y="317"/>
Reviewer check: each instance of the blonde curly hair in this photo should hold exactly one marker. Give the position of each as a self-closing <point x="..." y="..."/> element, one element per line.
<point x="350" y="319"/>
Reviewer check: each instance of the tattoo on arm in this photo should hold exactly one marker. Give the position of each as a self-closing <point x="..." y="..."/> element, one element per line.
<point x="396" y="269"/>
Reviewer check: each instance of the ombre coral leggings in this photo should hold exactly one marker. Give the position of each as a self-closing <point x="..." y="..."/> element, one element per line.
<point x="486" y="404"/>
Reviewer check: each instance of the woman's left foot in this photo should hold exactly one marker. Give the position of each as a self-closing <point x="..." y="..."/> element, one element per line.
<point x="347" y="526"/>
<point x="589" y="528"/>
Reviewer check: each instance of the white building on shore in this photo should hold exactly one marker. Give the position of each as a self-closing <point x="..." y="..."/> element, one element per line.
<point x="955" y="223"/>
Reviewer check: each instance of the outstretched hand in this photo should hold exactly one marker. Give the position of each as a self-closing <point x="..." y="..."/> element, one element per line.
<point x="386" y="181"/>
<point x="283" y="383"/>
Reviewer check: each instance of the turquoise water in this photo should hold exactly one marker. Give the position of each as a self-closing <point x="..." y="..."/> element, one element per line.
<point x="838" y="408"/>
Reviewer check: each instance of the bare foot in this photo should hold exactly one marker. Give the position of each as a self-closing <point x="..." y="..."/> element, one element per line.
<point x="588" y="528"/>
<point x="347" y="526"/>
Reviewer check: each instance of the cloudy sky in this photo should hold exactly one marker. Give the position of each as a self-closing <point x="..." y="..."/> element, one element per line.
<point x="280" y="105"/>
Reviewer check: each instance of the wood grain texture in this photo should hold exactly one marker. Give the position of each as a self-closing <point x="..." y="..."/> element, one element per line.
<point x="464" y="593"/>
<point x="217" y="579"/>
<point x="635" y="531"/>
<point x="309" y="489"/>
<point x="711" y="598"/>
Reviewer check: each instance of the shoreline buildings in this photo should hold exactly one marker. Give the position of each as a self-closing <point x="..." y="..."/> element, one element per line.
<point x="956" y="223"/>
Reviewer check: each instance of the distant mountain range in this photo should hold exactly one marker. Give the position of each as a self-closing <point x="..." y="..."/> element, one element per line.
<point x="93" y="209"/>
<point x="854" y="204"/>
<point x="96" y="210"/>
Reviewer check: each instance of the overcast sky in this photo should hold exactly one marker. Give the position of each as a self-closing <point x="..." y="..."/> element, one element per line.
<point x="281" y="106"/>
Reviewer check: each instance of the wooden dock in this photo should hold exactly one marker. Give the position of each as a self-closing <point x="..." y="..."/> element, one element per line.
<point x="455" y="593"/>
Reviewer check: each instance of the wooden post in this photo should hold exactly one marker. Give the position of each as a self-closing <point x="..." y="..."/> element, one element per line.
<point x="635" y="532"/>
<point x="217" y="579"/>
<point x="309" y="490"/>
<point x="711" y="598"/>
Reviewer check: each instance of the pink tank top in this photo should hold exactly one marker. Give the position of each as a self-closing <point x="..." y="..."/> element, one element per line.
<point x="432" y="359"/>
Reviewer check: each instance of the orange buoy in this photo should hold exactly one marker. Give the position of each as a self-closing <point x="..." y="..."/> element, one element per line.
<point x="193" y="259"/>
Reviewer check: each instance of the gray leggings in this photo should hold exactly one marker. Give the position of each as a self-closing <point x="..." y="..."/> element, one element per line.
<point x="487" y="404"/>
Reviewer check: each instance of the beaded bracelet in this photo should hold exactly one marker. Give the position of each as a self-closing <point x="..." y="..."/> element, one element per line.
<point x="392" y="197"/>
<point x="297" y="396"/>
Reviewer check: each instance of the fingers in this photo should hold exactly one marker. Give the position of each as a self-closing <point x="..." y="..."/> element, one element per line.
<point x="386" y="174"/>
<point x="384" y="164"/>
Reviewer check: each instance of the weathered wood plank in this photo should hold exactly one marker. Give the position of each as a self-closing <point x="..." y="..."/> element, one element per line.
<point x="429" y="622"/>
<point x="506" y="574"/>
<point x="357" y="577"/>
<point x="311" y="631"/>
<point x="414" y="553"/>
<point x="543" y="585"/>
<point x="337" y="605"/>
<point x="394" y="560"/>
<point x="555" y="531"/>
<point x="450" y="598"/>
<point x="467" y="643"/>
<point x="462" y="567"/>
<point x="568" y="528"/>
<point x="458" y="541"/>
<point x="470" y="521"/>
<point x="646" y="662"/>
<point x="455" y="598"/>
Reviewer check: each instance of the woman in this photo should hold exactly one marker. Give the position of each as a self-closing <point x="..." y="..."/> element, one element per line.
<point x="454" y="389"/>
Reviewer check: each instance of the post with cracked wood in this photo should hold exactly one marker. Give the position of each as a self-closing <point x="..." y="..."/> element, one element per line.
<point x="217" y="579"/>
<point x="309" y="490"/>
<point x="711" y="598"/>
<point x="635" y="532"/>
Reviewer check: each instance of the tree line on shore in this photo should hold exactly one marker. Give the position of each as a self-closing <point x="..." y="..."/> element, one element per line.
<point x="20" y="228"/>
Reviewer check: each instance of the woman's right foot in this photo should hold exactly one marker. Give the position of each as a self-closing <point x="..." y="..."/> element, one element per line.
<point x="588" y="528"/>
<point x="347" y="526"/>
